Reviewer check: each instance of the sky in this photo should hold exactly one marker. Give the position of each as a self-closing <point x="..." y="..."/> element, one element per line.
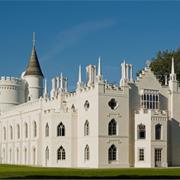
<point x="69" y="33"/>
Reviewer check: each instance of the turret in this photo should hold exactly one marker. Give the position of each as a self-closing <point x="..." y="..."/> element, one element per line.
<point x="79" y="83"/>
<point x="173" y="84"/>
<point x="99" y="74"/>
<point x="34" y="76"/>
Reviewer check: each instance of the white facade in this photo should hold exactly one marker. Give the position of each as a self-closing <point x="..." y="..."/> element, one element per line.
<point x="99" y="125"/>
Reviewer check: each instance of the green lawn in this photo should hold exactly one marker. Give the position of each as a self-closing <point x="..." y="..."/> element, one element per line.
<point x="8" y="171"/>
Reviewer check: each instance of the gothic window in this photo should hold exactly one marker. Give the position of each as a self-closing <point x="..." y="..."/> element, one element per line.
<point x="35" y="128"/>
<point x="86" y="128"/>
<point x="86" y="105"/>
<point x="47" y="130"/>
<point x="158" y="131"/>
<point x="141" y="154"/>
<point x="112" y="127"/>
<point x="4" y="130"/>
<point x="11" y="132"/>
<point x="141" y="131"/>
<point x="47" y="153"/>
<point x="26" y="130"/>
<point x="86" y="153"/>
<point x="18" y="131"/>
<point x="73" y="108"/>
<point x="61" y="129"/>
<point x="150" y="99"/>
<point x="113" y="104"/>
<point x="112" y="153"/>
<point x="61" y="154"/>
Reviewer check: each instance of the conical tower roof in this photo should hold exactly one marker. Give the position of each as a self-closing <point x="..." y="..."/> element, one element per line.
<point x="33" y="67"/>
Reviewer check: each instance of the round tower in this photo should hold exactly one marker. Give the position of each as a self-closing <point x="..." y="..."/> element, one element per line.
<point x="33" y="76"/>
<point x="12" y="92"/>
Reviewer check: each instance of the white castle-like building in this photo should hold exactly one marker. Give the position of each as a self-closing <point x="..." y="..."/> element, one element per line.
<point x="99" y="125"/>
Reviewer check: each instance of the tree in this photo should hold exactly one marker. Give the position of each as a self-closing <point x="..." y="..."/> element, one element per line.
<point x="161" y="64"/>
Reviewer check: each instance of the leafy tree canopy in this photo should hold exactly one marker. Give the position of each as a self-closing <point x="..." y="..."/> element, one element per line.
<point x="161" y="64"/>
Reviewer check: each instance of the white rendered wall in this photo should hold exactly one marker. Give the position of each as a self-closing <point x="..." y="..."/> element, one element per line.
<point x="12" y="92"/>
<point x="34" y="86"/>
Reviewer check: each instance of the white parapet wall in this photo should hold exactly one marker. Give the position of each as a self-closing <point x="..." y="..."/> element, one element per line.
<point x="12" y="92"/>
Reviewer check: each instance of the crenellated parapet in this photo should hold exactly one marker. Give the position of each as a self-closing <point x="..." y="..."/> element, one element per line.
<point x="6" y="80"/>
<point x="12" y="92"/>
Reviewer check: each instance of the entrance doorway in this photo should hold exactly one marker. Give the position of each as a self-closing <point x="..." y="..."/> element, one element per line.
<point x="157" y="157"/>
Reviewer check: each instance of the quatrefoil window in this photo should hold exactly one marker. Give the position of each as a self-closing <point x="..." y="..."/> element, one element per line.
<point x="113" y="104"/>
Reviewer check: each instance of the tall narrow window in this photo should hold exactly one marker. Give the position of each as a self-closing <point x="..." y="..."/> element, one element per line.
<point x="34" y="155"/>
<point x="17" y="155"/>
<point x="86" y="153"/>
<point x="47" y="130"/>
<point x="25" y="155"/>
<point x="86" y="128"/>
<point x="47" y="154"/>
<point x="61" y="129"/>
<point x="158" y="131"/>
<point x="141" y="131"/>
<point x="61" y="154"/>
<point x="112" y="127"/>
<point x="112" y="153"/>
<point x="35" y="129"/>
<point x="18" y="131"/>
<point x="141" y="154"/>
<point x="11" y="132"/>
<point x="4" y="155"/>
<point x="4" y="129"/>
<point x="10" y="155"/>
<point x="26" y="130"/>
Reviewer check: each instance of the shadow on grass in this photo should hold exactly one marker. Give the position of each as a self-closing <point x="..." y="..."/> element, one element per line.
<point x="101" y="177"/>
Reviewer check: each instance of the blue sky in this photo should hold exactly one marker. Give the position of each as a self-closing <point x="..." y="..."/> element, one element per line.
<point x="76" y="32"/>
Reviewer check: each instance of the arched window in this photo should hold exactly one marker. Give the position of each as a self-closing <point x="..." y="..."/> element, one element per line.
<point x="35" y="128"/>
<point x="26" y="130"/>
<point x="112" y="127"/>
<point x="4" y="130"/>
<point x="86" y="105"/>
<point x="11" y="132"/>
<point x="86" y="153"/>
<point x="141" y="131"/>
<point x="47" y="130"/>
<point x="158" y="131"/>
<point x="73" y="108"/>
<point x="61" y="154"/>
<point x="112" y="153"/>
<point x="18" y="131"/>
<point x="47" y="154"/>
<point x="61" y="129"/>
<point x="86" y="128"/>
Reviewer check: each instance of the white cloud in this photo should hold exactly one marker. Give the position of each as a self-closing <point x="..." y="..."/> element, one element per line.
<point x="69" y="37"/>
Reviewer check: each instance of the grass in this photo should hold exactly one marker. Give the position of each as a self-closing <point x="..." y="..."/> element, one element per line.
<point x="11" y="171"/>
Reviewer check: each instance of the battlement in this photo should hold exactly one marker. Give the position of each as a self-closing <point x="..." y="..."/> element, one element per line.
<point x="7" y="80"/>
